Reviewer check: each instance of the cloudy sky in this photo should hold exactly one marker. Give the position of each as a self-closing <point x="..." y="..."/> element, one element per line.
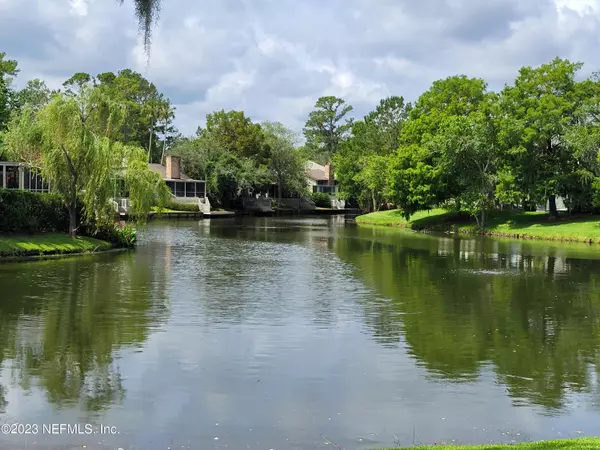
<point x="274" y="58"/>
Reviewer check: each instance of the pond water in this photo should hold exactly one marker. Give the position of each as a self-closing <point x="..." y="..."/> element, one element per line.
<point x="277" y="333"/>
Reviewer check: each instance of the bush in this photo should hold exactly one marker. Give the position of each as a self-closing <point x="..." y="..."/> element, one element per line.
<point x="120" y="235"/>
<point x="321" y="199"/>
<point x="29" y="212"/>
<point x="178" y="206"/>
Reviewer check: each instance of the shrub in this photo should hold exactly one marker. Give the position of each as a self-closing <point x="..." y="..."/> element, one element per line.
<point x="30" y="212"/>
<point x="321" y="199"/>
<point x="178" y="206"/>
<point x="120" y="235"/>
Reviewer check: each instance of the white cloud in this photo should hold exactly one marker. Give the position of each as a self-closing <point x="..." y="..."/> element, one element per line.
<point x="274" y="59"/>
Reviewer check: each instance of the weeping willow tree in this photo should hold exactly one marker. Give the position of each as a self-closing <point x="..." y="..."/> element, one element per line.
<point x="71" y="142"/>
<point x="147" y="13"/>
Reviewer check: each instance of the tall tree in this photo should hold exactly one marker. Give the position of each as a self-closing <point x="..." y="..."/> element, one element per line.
<point x="35" y="95"/>
<point x="469" y="149"/>
<point x="287" y="164"/>
<point x="165" y="116"/>
<point x="143" y="109"/>
<point x="360" y="158"/>
<point x="385" y="124"/>
<point x="8" y="68"/>
<point x="539" y="108"/>
<point x="419" y="176"/>
<point x="327" y="127"/>
<point x="237" y="134"/>
<point x="77" y="155"/>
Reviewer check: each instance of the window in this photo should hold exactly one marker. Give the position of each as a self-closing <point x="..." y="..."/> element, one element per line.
<point x="179" y="189"/>
<point x="12" y="177"/>
<point x="190" y="189"/>
<point x="32" y="181"/>
<point x="200" y="190"/>
<point x="171" y="186"/>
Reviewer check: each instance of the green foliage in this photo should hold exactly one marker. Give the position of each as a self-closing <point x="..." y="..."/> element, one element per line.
<point x="361" y="162"/>
<point x="70" y="139"/>
<point x="237" y="134"/>
<point x="8" y="68"/>
<point x="28" y="212"/>
<point x="228" y="176"/>
<point x="287" y="164"/>
<point x="327" y="127"/>
<point x="453" y="96"/>
<point x="539" y="110"/>
<point x="414" y="183"/>
<point x="35" y="95"/>
<point x="178" y="206"/>
<point x="321" y="199"/>
<point x="120" y="235"/>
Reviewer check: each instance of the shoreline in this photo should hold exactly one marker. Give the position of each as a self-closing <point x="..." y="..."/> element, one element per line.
<point x="510" y="225"/>
<point x="50" y="246"/>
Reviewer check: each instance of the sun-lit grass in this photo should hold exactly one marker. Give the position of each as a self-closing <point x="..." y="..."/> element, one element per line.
<point x="394" y="217"/>
<point x="534" y="225"/>
<point x="565" y="444"/>
<point x="49" y="244"/>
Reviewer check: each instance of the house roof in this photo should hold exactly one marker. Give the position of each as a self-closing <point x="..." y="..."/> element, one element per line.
<point x="315" y="171"/>
<point x="316" y="174"/>
<point x="162" y="171"/>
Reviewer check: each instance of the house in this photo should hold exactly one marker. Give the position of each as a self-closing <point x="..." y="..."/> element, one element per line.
<point x="321" y="178"/>
<point x="14" y="175"/>
<point x="183" y="188"/>
<point x="180" y="185"/>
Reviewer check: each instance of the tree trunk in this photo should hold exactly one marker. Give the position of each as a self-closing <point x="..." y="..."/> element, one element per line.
<point x="162" y="156"/>
<point x="150" y="147"/>
<point x="375" y="208"/>
<point x="482" y="223"/>
<point x="279" y="192"/>
<point x="72" y="220"/>
<point x="552" y="207"/>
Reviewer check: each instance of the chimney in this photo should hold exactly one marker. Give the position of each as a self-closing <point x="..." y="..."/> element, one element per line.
<point x="172" y="168"/>
<point x="328" y="169"/>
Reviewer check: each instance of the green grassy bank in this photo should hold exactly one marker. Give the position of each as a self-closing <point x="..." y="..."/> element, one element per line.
<point x="49" y="244"/>
<point x="517" y="224"/>
<point x="565" y="444"/>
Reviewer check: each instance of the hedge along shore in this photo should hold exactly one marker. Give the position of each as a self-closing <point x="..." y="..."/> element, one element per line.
<point x="34" y="225"/>
<point x="590" y="443"/>
<point x="510" y="224"/>
<point x="49" y="244"/>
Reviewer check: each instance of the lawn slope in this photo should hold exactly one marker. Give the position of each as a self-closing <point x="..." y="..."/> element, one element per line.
<point x="519" y="224"/>
<point x="49" y="244"/>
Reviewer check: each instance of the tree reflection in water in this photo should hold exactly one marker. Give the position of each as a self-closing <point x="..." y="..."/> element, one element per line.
<point x="461" y="305"/>
<point x="62" y="329"/>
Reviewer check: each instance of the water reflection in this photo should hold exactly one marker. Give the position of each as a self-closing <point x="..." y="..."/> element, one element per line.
<point x="361" y="336"/>
<point x="63" y="321"/>
<point x="460" y="304"/>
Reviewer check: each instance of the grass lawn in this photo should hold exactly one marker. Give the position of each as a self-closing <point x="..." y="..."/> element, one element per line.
<point x="394" y="217"/>
<point x="167" y="210"/>
<point x="533" y="225"/>
<point x="566" y="444"/>
<point x="49" y="244"/>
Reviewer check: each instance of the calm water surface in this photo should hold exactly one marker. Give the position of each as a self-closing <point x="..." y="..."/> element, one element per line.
<point x="302" y="333"/>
